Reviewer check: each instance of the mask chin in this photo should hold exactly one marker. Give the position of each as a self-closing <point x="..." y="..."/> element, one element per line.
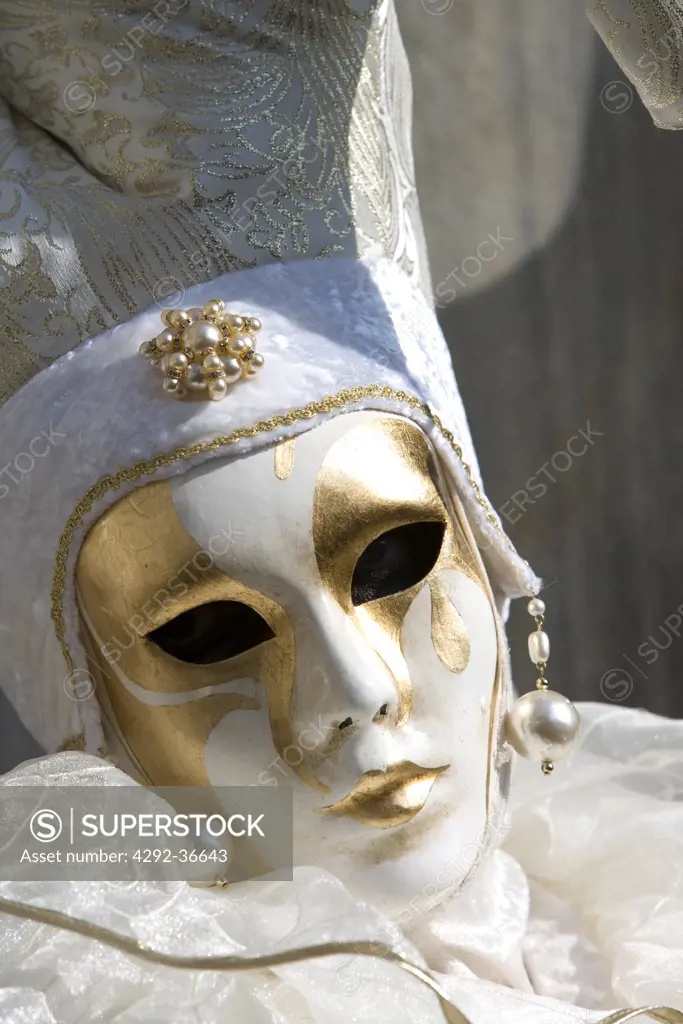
<point x="315" y="615"/>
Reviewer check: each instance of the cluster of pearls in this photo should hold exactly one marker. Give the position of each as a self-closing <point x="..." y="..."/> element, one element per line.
<point x="543" y="725"/>
<point x="202" y="351"/>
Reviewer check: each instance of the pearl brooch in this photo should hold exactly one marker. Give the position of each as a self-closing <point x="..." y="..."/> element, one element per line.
<point x="201" y="351"/>
<point x="542" y="725"/>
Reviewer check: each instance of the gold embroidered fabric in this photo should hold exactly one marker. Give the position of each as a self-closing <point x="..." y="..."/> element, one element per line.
<point x="646" y="38"/>
<point x="148" y="146"/>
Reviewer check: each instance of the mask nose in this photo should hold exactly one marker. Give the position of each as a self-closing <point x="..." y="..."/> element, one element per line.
<point x="382" y="713"/>
<point x="342" y="677"/>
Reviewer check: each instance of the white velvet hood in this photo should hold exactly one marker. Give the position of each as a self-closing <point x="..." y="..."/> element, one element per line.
<point x="337" y="335"/>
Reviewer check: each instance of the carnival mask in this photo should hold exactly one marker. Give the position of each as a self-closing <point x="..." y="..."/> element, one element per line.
<point x="315" y="615"/>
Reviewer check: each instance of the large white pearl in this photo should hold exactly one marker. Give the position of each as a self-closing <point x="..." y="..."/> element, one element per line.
<point x="539" y="647"/>
<point x="232" y="369"/>
<point x="202" y="334"/>
<point x="542" y="725"/>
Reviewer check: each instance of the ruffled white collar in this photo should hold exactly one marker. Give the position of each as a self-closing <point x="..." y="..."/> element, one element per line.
<point x="578" y="913"/>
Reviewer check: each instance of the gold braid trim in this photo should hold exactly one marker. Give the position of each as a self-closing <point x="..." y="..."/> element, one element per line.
<point x="126" y="944"/>
<point x="148" y="466"/>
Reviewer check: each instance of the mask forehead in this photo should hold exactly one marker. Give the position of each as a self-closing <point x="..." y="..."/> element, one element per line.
<point x="286" y="513"/>
<point x="279" y="506"/>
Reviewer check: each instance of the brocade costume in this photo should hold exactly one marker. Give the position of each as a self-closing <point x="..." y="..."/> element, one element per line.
<point x="261" y="153"/>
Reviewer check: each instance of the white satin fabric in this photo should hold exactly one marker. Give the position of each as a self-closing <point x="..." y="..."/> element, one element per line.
<point x="579" y="913"/>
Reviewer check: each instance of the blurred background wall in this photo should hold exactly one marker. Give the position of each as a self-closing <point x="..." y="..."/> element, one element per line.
<point x="528" y="132"/>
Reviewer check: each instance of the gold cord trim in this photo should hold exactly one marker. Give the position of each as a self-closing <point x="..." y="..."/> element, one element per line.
<point x="378" y="951"/>
<point x="146" y="467"/>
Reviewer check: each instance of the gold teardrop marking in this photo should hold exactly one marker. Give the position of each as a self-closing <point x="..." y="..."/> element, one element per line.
<point x="449" y="633"/>
<point x="284" y="458"/>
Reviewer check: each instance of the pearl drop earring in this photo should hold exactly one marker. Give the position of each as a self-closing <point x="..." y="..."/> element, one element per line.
<point x="542" y="725"/>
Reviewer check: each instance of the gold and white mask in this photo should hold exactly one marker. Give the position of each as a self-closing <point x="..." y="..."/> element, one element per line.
<point x="280" y="589"/>
<point x="314" y="615"/>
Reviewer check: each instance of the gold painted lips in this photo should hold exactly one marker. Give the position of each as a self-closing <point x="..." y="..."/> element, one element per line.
<point x="387" y="799"/>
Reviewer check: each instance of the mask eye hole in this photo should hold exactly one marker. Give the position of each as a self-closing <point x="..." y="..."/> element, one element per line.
<point x="212" y="632"/>
<point x="396" y="561"/>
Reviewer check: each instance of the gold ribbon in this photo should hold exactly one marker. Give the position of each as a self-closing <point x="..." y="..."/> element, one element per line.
<point x="125" y="944"/>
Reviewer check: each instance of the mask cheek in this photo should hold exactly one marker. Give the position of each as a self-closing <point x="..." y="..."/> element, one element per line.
<point x="452" y="708"/>
<point x="240" y="750"/>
